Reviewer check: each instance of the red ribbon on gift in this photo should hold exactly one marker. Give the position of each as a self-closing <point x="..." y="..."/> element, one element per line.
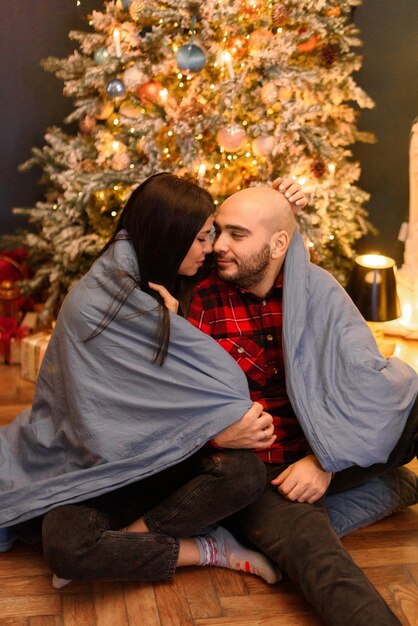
<point x="9" y="329"/>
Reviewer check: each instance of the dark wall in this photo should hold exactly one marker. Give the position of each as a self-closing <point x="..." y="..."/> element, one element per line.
<point x="31" y="100"/>
<point x="389" y="74"/>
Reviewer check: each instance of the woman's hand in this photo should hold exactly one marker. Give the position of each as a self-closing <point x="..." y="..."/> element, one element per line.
<point x="303" y="481"/>
<point x="292" y="191"/>
<point x="254" y="430"/>
<point x="170" y="302"/>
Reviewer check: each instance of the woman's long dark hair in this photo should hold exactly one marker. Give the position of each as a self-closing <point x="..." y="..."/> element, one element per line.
<point x="162" y="218"/>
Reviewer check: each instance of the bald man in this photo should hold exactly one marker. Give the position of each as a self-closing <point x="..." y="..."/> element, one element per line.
<point x="289" y="326"/>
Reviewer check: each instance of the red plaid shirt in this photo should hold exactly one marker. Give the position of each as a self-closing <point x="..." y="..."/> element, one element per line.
<point x="250" y="329"/>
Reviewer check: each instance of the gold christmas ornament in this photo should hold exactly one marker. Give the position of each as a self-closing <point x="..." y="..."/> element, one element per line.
<point x="259" y="39"/>
<point x="285" y="93"/>
<point x="150" y="92"/>
<point x="231" y="137"/>
<point x="104" y="111"/>
<point x="269" y="94"/>
<point x="113" y="121"/>
<point x="263" y="145"/>
<point x="237" y="46"/>
<point x="87" y="124"/>
<point x="131" y="110"/>
<point x="104" y="209"/>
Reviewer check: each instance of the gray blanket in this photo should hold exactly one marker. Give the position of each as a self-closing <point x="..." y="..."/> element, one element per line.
<point x="103" y="414"/>
<point x="351" y="401"/>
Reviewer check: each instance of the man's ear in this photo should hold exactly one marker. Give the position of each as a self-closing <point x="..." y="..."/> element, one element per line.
<point x="279" y="244"/>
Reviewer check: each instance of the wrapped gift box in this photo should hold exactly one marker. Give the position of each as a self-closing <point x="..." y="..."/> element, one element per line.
<point x="11" y="335"/>
<point x="32" y="352"/>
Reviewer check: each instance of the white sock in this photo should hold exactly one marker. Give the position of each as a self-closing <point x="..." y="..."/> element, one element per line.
<point x="59" y="583"/>
<point x="219" y="547"/>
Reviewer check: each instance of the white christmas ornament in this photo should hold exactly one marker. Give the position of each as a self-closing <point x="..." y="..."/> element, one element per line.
<point x="132" y="77"/>
<point x="263" y="145"/>
<point x="231" y="137"/>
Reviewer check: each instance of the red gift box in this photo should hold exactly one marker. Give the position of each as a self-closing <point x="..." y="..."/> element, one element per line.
<point x="11" y="335"/>
<point x="12" y="270"/>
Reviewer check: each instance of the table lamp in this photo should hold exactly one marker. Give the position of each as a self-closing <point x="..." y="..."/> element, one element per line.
<point x="372" y="287"/>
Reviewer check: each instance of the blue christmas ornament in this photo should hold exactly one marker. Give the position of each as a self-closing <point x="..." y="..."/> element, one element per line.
<point x="191" y="58"/>
<point x="126" y="3"/>
<point x="115" y="88"/>
<point x="101" y="56"/>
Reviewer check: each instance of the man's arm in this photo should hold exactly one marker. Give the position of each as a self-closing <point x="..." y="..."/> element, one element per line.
<point x="255" y="429"/>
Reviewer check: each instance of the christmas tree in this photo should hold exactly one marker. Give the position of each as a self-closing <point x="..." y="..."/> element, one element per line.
<point x="232" y="93"/>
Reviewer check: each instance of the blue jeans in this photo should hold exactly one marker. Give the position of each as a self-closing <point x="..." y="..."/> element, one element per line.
<point x="85" y="541"/>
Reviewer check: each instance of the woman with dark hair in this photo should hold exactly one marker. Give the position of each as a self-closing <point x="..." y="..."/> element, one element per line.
<point x="110" y="458"/>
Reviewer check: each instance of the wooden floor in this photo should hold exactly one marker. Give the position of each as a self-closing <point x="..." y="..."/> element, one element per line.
<point x="387" y="551"/>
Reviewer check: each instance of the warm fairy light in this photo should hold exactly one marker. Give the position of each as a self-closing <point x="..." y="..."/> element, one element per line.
<point x="331" y="168"/>
<point x="226" y="59"/>
<point x="302" y="180"/>
<point x="170" y="133"/>
<point x="115" y="145"/>
<point x="163" y="95"/>
<point x="201" y="173"/>
<point x="332" y="237"/>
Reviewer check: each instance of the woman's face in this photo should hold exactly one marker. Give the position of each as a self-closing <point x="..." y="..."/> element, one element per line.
<point x="200" y="247"/>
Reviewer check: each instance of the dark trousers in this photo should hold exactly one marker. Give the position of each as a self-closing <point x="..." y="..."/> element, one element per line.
<point x="86" y="541"/>
<point x="300" y="539"/>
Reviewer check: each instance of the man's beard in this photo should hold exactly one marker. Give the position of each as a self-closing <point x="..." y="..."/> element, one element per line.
<point x="250" y="271"/>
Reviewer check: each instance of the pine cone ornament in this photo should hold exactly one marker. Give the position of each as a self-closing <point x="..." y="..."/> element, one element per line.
<point x="269" y="94"/>
<point x="136" y="8"/>
<point x="87" y="124"/>
<point x="121" y="161"/>
<point x="279" y="15"/>
<point x="318" y="168"/>
<point x="329" y="54"/>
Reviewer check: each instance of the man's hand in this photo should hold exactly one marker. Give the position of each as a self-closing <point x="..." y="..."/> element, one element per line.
<point x="254" y="430"/>
<point x="303" y="481"/>
<point x="292" y="191"/>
